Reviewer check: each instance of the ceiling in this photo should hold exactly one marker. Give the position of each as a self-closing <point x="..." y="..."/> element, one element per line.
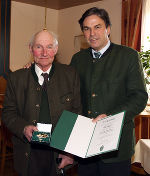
<point x="57" y="4"/>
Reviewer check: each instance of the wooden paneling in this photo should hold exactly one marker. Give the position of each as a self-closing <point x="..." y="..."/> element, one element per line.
<point x="5" y="6"/>
<point x="142" y="131"/>
<point x="142" y="125"/>
<point x="3" y="83"/>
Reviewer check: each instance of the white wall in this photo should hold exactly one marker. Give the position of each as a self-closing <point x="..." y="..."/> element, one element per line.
<point x="69" y="27"/>
<point x="25" y="21"/>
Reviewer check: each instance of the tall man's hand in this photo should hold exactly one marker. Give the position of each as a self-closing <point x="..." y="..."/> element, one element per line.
<point x="99" y="117"/>
<point x="28" y="130"/>
<point x="28" y="65"/>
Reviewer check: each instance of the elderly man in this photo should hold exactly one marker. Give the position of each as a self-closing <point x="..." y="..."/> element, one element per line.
<point x="32" y="97"/>
<point x="111" y="81"/>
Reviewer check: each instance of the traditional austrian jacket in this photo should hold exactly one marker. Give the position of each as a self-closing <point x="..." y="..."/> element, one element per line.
<point x="23" y="99"/>
<point x="111" y="84"/>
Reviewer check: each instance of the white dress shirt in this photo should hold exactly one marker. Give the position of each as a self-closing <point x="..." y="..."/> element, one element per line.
<point x="102" y="50"/>
<point x="38" y="71"/>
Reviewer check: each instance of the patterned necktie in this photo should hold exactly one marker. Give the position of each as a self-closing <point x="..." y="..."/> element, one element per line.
<point x="45" y="75"/>
<point x="97" y="55"/>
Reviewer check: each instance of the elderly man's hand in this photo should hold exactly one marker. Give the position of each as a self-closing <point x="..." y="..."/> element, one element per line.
<point x="66" y="160"/>
<point x="99" y="117"/>
<point x="28" y="130"/>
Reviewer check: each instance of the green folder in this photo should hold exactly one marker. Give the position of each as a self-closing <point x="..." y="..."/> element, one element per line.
<point x="79" y="136"/>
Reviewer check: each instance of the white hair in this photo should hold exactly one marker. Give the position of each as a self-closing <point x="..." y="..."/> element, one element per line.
<point x="50" y="32"/>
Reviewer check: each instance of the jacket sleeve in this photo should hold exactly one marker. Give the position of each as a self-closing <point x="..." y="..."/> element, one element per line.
<point x="10" y="114"/>
<point x="136" y="95"/>
<point x="77" y="107"/>
<point x="73" y="61"/>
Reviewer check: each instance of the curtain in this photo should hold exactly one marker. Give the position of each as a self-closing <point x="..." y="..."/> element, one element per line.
<point x="145" y="32"/>
<point x="5" y="6"/>
<point x="131" y="23"/>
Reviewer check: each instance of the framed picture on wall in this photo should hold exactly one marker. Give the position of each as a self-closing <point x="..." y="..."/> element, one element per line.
<point x="80" y="43"/>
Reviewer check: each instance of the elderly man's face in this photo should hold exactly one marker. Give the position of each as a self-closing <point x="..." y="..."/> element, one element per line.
<point x="95" y="32"/>
<point x="43" y="50"/>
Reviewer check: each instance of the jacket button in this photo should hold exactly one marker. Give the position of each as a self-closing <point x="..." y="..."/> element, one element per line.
<point x="93" y="95"/>
<point x="67" y="99"/>
<point x="37" y="105"/>
<point x="38" y="89"/>
<point x="34" y="121"/>
<point x="89" y="112"/>
<point x="26" y="154"/>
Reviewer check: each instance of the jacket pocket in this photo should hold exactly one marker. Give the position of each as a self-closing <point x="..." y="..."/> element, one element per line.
<point x="67" y="98"/>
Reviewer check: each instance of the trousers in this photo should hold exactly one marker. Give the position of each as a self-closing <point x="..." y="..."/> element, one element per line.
<point x="42" y="161"/>
<point x="99" y="168"/>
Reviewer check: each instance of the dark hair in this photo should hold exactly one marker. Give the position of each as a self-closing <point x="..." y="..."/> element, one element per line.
<point x="102" y="13"/>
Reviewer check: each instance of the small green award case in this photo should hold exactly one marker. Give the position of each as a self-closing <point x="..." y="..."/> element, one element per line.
<point x="41" y="137"/>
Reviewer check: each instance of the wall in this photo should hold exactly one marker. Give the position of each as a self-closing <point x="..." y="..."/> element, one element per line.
<point x="25" y="21"/>
<point x="69" y="27"/>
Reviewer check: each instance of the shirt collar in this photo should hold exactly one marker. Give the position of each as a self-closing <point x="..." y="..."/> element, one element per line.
<point x="39" y="71"/>
<point x="103" y="49"/>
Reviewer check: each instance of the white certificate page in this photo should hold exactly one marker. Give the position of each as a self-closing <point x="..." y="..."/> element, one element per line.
<point x="106" y="135"/>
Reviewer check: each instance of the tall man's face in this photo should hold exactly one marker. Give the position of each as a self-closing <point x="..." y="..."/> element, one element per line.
<point x="43" y="50"/>
<point x="95" y="32"/>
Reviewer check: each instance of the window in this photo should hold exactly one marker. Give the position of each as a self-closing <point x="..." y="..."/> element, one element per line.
<point x="145" y="33"/>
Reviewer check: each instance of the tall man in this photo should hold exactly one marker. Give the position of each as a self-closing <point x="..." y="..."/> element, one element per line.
<point x="111" y="81"/>
<point x="29" y="101"/>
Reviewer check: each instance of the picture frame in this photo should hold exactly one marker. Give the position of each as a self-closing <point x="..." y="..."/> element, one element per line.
<point x="80" y="43"/>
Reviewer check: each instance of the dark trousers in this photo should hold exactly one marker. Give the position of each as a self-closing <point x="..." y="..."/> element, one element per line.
<point x="42" y="161"/>
<point x="100" y="168"/>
